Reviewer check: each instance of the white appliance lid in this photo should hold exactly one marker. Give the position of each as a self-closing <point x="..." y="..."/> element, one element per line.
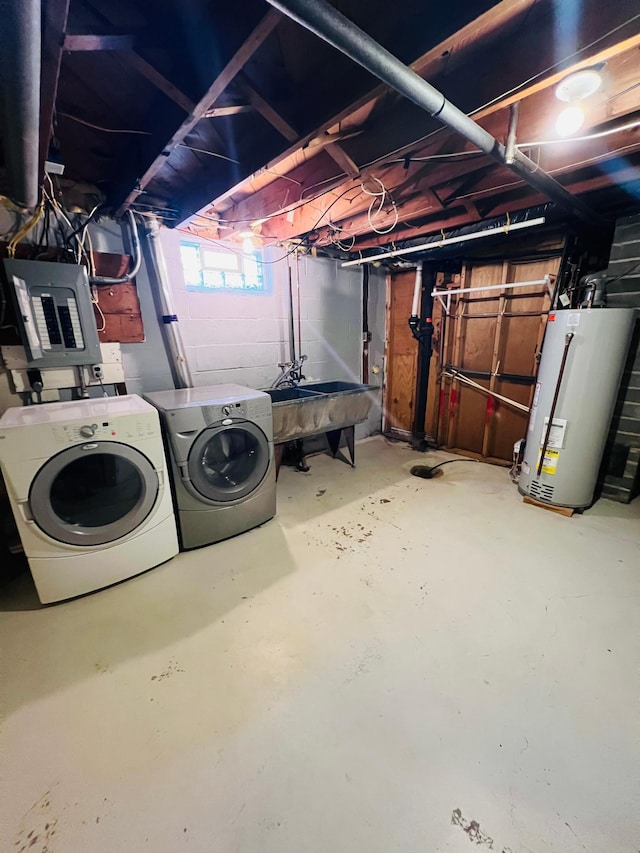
<point x="210" y="395"/>
<point x="99" y="408"/>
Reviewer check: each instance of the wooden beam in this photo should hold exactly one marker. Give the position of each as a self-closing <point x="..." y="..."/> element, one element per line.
<point x="150" y="73"/>
<point x="468" y="183"/>
<point x="478" y="31"/>
<point x="530" y="54"/>
<point x="89" y="41"/>
<point x="228" y="73"/>
<point x="350" y="210"/>
<point x="602" y="56"/>
<point x="472" y="210"/>
<point x="54" y="24"/>
<point x="591" y="154"/>
<point x="503" y="205"/>
<point x="532" y="57"/>
<point x="418" y="206"/>
<point x="340" y="156"/>
<point x="498" y="202"/>
<point x="266" y="110"/>
<point x="216" y="112"/>
<point x="439" y="179"/>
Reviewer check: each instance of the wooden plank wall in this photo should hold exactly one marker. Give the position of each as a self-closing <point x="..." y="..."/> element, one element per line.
<point x="493" y="332"/>
<point x="401" y="356"/>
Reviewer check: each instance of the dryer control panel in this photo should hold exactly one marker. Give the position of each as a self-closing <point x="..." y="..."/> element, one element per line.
<point x="244" y="409"/>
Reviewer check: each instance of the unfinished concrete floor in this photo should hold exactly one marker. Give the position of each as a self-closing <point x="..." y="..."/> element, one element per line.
<point x="392" y="664"/>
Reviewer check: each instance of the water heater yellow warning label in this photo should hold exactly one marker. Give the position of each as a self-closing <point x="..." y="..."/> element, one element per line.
<point x="550" y="461"/>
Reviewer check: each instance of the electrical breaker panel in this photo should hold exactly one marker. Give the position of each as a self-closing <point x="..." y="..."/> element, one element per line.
<point x="54" y="312"/>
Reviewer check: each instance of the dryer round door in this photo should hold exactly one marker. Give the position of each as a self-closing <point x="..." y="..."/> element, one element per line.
<point x="228" y="462"/>
<point x="93" y="493"/>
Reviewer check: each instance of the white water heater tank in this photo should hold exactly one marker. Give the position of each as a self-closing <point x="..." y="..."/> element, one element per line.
<point x="595" y="359"/>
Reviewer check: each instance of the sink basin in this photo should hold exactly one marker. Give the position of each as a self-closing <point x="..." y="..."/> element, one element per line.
<point x="319" y="407"/>
<point x="334" y="387"/>
<point x="283" y="395"/>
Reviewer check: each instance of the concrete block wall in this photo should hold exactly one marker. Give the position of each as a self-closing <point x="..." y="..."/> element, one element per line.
<point x="241" y="337"/>
<point x="146" y="365"/>
<point x="620" y="472"/>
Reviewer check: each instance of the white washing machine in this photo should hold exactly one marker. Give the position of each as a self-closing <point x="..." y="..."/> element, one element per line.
<point x="220" y="446"/>
<point x="90" y="492"/>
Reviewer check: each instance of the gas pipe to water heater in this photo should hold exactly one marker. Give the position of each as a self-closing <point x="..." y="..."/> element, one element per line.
<point x="567" y="343"/>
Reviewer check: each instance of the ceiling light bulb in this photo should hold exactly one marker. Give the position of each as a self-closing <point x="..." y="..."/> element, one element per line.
<point x="569" y="121"/>
<point x="579" y="85"/>
<point x="247" y="246"/>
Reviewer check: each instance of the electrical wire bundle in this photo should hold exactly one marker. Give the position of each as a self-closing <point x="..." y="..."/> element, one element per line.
<point x="378" y="201"/>
<point x="73" y="239"/>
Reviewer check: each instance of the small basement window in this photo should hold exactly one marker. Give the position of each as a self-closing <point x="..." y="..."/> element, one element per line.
<point x="220" y="270"/>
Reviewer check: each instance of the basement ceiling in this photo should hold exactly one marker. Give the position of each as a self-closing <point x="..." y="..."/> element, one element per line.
<point x="231" y="116"/>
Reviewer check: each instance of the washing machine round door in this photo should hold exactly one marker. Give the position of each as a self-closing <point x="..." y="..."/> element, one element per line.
<point x="93" y="493"/>
<point x="228" y="462"/>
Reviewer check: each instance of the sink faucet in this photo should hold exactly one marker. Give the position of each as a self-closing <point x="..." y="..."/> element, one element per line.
<point x="290" y="373"/>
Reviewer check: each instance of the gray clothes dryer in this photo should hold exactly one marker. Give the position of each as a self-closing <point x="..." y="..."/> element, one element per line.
<point x="220" y="446"/>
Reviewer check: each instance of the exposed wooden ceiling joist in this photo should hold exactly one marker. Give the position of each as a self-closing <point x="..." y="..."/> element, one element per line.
<point x="424" y="190"/>
<point x="495" y="78"/>
<point x="231" y="110"/>
<point x="98" y="42"/>
<point x="477" y="32"/>
<point x="265" y="109"/>
<point x="150" y="73"/>
<point x="215" y="90"/>
<point x="506" y="204"/>
<point x="307" y="127"/>
<point x="340" y="156"/>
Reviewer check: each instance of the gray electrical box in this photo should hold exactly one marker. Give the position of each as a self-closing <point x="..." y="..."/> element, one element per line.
<point x="54" y="312"/>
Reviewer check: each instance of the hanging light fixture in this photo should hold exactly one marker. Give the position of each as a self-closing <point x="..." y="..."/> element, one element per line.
<point x="573" y="90"/>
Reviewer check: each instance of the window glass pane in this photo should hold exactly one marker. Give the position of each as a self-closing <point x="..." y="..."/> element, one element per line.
<point x="213" y="278"/>
<point x="97" y="490"/>
<point x="234" y="280"/>
<point x="252" y="270"/>
<point x="213" y="269"/>
<point x="219" y="260"/>
<point x="190" y="256"/>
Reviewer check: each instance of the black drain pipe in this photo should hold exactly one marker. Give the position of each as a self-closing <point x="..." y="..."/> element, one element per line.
<point x="331" y="26"/>
<point x="421" y="326"/>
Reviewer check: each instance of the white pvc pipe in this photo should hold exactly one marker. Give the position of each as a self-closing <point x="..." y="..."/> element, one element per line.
<point x="417" y="289"/>
<point x="447" y="241"/>
<point x="533" y="283"/>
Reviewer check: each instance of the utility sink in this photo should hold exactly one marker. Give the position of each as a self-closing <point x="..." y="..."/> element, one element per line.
<point x="334" y="387"/>
<point x="316" y="408"/>
<point x="284" y="395"/>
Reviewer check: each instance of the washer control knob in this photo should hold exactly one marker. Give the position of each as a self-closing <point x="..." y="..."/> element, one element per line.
<point x="87" y="431"/>
<point x="226" y="411"/>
